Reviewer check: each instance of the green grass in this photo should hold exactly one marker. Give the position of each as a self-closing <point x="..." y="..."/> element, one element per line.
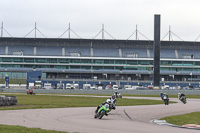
<point x="190" y="118"/>
<point x="55" y="101"/>
<point x="129" y="95"/>
<point x="20" y="129"/>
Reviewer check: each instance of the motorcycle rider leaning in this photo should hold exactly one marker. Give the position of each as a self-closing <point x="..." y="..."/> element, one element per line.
<point x="111" y="101"/>
<point x="164" y="94"/>
<point x="108" y="101"/>
<point x="181" y="95"/>
<point x="116" y="94"/>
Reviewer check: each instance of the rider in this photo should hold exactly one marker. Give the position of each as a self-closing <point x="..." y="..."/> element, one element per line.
<point x="164" y="94"/>
<point x="108" y="101"/>
<point x="116" y="93"/>
<point x="113" y="101"/>
<point x="181" y="95"/>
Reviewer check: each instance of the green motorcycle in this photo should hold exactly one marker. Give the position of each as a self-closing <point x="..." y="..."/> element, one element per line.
<point x="102" y="111"/>
<point x="183" y="99"/>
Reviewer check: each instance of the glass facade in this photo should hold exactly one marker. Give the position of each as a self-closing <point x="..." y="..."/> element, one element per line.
<point x="13" y="75"/>
<point x="98" y="64"/>
<point x="16" y="75"/>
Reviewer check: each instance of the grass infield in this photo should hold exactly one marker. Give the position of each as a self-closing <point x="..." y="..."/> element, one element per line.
<point x="56" y="101"/>
<point x="190" y="118"/>
<point x="20" y="129"/>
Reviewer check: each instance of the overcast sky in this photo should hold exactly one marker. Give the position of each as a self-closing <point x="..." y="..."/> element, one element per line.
<point x="86" y="17"/>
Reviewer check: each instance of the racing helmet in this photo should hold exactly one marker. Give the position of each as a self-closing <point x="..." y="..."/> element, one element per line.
<point x="113" y="96"/>
<point x="107" y="105"/>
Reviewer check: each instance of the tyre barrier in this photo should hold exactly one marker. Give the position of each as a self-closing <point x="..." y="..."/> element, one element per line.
<point x="8" y="100"/>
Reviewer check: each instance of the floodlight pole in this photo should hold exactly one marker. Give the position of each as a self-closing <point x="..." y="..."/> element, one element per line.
<point x="156" y="47"/>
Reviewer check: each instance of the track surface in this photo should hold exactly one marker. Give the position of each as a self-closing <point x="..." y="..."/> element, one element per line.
<point x="125" y="119"/>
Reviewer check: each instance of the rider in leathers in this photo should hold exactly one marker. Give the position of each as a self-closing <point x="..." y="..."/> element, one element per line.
<point x="111" y="101"/>
<point x="181" y="95"/>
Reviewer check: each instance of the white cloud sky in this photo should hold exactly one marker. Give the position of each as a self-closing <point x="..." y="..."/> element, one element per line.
<point x="86" y="17"/>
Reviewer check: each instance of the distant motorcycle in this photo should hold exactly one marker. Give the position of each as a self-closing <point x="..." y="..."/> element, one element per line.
<point x="166" y="100"/>
<point x="183" y="99"/>
<point x="30" y="92"/>
<point x="102" y="111"/>
<point x="117" y="95"/>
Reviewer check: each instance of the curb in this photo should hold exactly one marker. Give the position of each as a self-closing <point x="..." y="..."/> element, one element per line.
<point x="164" y="122"/>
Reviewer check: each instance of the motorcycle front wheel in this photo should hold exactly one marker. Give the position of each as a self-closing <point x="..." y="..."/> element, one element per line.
<point x="102" y="113"/>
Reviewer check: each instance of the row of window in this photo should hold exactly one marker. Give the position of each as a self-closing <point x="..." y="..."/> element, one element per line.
<point x="16" y="75"/>
<point x="73" y="67"/>
<point x="98" y="61"/>
<point x="98" y="67"/>
<point x="78" y="61"/>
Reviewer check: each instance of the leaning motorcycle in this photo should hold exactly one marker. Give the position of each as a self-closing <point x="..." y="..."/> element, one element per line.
<point x="117" y="95"/>
<point x="166" y="100"/>
<point x="102" y="111"/>
<point x="183" y="99"/>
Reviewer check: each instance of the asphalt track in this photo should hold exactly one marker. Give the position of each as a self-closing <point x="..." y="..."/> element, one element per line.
<point x="125" y="119"/>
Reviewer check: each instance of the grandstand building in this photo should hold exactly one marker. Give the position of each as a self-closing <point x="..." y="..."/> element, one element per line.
<point x="98" y="59"/>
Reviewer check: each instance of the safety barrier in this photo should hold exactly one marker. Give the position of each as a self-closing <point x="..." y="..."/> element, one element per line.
<point x="8" y="100"/>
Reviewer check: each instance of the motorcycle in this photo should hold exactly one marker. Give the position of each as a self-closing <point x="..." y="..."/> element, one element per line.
<point x="183" y="99"/>
<point x="102" y="111"/>
<point x="166" y="100"/>
<point x="117" y="95"/>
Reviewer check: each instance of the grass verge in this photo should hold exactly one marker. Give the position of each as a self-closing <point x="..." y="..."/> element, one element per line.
<point x="20" y="129"/>
<point x="190" y="118"/>
<point x="170" y="96"/>
<point x="54" y="101"/>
